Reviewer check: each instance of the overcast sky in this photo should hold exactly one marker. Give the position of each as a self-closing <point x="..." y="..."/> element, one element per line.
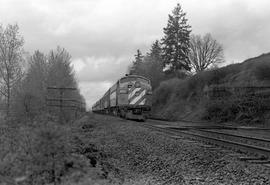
<point x="102" y="35"/>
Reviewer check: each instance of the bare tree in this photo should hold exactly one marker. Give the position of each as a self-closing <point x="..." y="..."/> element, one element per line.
<point x="29" y="97"/>
<point x="10" y="60"/>
<point x="204" y="52"/>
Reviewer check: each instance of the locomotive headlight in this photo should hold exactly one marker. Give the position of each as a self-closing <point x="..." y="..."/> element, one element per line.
<point x="137" y="84"/>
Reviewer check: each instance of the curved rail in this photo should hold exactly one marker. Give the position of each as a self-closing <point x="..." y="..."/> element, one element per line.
<point x="252" y="149"/>
<point x="247" y="139"/>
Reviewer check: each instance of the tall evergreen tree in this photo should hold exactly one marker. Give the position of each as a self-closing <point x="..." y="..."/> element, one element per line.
<point x="135" y="69"/>
<point x="60" y="73"/>
<point x="156" y="51"/>
<point x="176" y="41"/>
<point x="151" y="65"/>
<point x="138" y="58"/>
<point x="154" y="64"/>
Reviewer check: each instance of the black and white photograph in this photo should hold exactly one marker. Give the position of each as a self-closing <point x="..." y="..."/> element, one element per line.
<point x="134" y="92"/>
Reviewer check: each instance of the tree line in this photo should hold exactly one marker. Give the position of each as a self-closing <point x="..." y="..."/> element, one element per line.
<point x="24" y="79"/>
<point x="35" y="92"/>
<point x="178" y="53"/>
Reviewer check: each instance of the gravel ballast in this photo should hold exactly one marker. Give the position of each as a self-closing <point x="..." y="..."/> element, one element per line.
<point x="133" y="152"/>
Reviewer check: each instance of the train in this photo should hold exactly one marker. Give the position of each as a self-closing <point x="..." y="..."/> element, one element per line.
<point x="130" y="97"/>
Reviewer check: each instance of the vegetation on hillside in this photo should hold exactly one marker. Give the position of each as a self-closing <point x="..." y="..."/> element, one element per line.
<point x="176" y="98"/>
<point x="184" y="69"/>
<point x="177" y="54"/>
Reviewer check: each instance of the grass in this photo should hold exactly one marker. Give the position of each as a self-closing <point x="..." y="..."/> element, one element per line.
<point x="262" y="71"/>
<point x="41" y="152"/>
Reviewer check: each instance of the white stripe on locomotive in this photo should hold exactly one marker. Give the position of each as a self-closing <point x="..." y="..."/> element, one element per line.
<point x="142" y="102"/>
<point x="130" y="95"/>
<point x="135" y="100"/>
<point x="136" y="94"/>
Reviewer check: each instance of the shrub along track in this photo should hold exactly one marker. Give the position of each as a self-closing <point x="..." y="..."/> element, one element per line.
<point x="258" y="148"/>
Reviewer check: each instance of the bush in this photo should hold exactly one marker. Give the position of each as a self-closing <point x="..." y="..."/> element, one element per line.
<point x="218" y="76"/>
<point x="163" y="93"/>
<point x="220" y="110"/>
<point x="235" y="108"/>
<point x="50" y="151"/>
<point x="41" y="152"/>
<point x="262" y="71"/>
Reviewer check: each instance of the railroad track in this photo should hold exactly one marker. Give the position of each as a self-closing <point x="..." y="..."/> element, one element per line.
<point x="257" y="148"/>
<point x="249" y="140"/>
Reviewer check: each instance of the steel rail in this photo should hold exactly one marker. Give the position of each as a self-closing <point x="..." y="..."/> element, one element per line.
<point x="248" y="138"/>
<point x="246" y="148"/>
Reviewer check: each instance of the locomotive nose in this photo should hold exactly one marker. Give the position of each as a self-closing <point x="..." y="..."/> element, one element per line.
<point x="137" y="93"/>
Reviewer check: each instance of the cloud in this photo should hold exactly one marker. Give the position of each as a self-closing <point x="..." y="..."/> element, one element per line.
<point x="100" y="69"/>
<point x="239" y="25"/>
<point x="96" y="27"/>
<point x="92" y="91"/>
<point x="97" y="74"/>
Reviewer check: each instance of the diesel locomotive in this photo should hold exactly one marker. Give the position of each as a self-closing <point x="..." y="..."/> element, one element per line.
<point x="130" y="97"/>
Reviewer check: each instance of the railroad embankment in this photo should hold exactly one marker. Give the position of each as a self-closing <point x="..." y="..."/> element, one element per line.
<point x="237" y="92"/>
<point x="127" y="153"/>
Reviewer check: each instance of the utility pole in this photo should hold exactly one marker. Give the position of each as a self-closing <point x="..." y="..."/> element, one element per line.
<point x="61" y="100"/>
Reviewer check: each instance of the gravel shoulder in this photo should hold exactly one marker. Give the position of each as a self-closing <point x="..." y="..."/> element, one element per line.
<point x="132" y="154"/>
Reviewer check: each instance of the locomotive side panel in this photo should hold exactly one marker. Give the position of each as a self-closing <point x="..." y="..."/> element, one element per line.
<point x="106" y="100"/>
<point x="122" y="94"/>
<point x="96" y="107"/>
<point x="113" y="92"/>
